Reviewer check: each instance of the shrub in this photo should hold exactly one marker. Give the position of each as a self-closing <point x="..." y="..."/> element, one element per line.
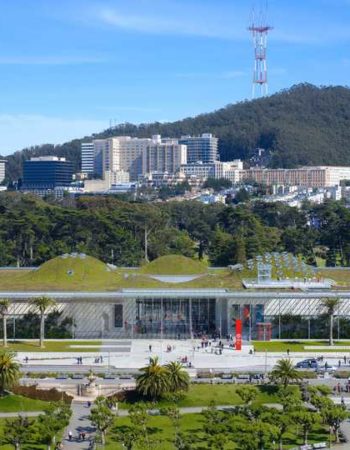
<point x="47" y="395"/>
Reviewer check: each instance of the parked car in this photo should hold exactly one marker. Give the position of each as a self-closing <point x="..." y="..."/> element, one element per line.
<point x="310" y="363"/>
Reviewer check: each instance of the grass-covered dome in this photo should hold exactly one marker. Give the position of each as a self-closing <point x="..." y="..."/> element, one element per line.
<point x="70" y="269"/>
<point x="174" y="265"/>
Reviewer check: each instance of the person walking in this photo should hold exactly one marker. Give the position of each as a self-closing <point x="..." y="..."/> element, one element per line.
<point x="70" y="435"/>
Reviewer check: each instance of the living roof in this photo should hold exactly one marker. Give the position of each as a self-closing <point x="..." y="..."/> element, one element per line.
<point x="85" y="273"/>
<point x="174" y="265"/>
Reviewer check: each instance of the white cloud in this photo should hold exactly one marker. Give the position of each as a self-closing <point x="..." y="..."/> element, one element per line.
<point x="48" y="60"/>
<point x="230" y="21"/>
<point x="185" y="24"/>
<point x="23" y="130"/>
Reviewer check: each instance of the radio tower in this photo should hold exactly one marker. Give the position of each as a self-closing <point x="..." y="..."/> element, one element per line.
<point x="259" y="30"/>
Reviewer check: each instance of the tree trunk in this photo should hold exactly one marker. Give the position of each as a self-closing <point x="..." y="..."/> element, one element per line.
<point x="336" y="432"/>
<point x="280" y="445"/>
<point x="331" y="329"/>
<point x="4" y="325"/>
<point x="103" y="439"/>
<point x="42" y="330"/>
<point x="305" y="437"/>
<point x="146" y="245"/>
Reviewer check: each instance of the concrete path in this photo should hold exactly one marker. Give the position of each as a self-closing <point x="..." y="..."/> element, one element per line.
<point x="197" y="409"/>
<point x="79" y="423"/>
<point x="4" y="415"/>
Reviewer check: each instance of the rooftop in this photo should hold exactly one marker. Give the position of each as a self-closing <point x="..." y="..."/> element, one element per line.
<point x="79" y="272"/>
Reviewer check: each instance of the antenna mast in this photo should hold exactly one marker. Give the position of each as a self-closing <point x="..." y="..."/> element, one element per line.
<point x="259" y="30"/>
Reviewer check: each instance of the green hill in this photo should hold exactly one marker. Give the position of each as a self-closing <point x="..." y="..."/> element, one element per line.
<point x="302" y="125"/>
<point x="174" y="265"/>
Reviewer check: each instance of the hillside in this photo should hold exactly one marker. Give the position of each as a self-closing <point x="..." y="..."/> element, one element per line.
<point x="301" y="125"/>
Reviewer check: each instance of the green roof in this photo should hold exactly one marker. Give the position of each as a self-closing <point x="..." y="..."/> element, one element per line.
<point x="174" y="265"/>
<point x="85" y="273"/>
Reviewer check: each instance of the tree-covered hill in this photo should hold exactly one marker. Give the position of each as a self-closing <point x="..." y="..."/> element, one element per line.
<point x="302" y="125"/>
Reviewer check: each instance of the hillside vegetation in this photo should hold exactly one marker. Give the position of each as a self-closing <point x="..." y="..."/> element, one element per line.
<point x="304" y="125"/>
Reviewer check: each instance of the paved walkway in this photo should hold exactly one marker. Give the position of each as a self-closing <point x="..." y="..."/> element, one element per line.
<point x="4" y="415"/>
<point x="79" y="423"/>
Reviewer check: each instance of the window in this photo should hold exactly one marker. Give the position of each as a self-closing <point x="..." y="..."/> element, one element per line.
<point x="118" y="316"/>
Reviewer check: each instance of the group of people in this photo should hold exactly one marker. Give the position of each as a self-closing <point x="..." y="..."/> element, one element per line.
<point x="99" y="359"/>
<point x="81" y="436"/>
<point x="79" y="360"/>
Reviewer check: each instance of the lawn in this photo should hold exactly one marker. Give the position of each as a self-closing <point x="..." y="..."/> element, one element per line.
<point x="278" y="346"/>
<point x="53" y="346"/>
<point x="205" y="394"/>
<point x="162" y="432"/>
<point x="16" y="403"/>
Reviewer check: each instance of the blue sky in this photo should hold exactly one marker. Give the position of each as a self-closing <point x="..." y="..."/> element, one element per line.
<point x="67" y="67"/>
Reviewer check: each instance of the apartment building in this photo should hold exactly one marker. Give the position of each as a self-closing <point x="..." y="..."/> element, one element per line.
<point x="314" y="177"/>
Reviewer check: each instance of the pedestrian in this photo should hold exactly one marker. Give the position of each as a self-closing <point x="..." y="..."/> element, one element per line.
<point x="83" y="435"/>
<point x="81" y="360"/>
<point x="339" y="363"/>
<point x="70" y="435"/>
<point x="88" y="404"/>
<point x="150" y="348"/>
<point x="101" y="359"/>
<point x="344" y="359"/>
<point x="288" y="351"/>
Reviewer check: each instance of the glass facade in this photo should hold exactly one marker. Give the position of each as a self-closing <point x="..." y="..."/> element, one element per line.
<point x="47" y="174"/>
<point x="174" y="318"/>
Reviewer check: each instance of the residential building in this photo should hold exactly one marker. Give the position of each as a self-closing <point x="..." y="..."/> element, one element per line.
<point x="161" y="158"/>
<point x="47" y="173"/>
<point x="318" y="176"/>
<point x="202" y="148"/>
<point x="2" y="169"/>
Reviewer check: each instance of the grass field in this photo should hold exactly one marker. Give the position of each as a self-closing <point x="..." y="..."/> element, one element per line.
<point x="204" y="395"/>
<point x="52" y="346"/>
<point x="16" y="403"/>
<point x="162" y="432"/>
<point x="298" y="346"/>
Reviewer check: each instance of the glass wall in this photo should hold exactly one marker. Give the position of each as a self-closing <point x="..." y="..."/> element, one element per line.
<point x="175" y="318"/>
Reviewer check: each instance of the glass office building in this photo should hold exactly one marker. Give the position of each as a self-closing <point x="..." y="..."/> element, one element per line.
<point x="47" y="172"/>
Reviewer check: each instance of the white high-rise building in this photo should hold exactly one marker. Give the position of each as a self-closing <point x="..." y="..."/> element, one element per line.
<point x="87" y="157"/>
<point x="159" y="157"/>
<point x="2" y="169"/>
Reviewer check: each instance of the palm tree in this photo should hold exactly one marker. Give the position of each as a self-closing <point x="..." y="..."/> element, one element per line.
<point x="153" y="381"/>
<point x="178" y="378"/>
<point x="330" y="305"/>
<point x="284" y="372"/>
<point x="9" y="370"/>
<point x="42" y="304"/>
<point x="4" y="310"/>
